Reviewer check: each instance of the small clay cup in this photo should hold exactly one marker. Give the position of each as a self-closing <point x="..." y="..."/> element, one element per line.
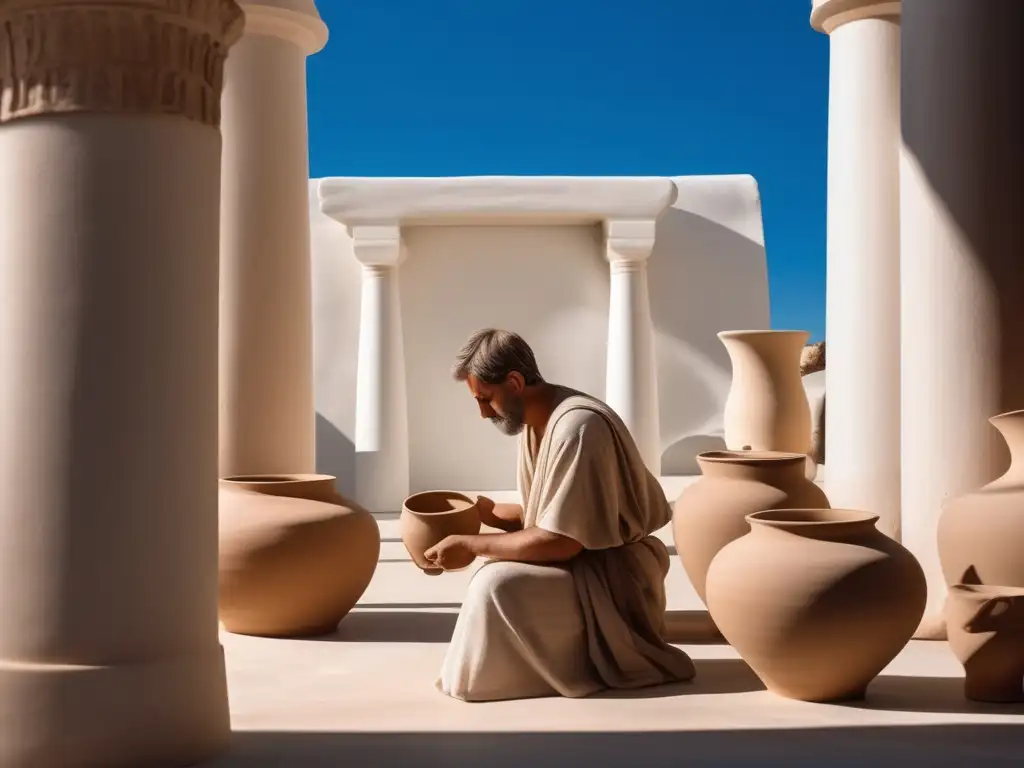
<point x="986" y="632"/>
<point x="429" y="517"/>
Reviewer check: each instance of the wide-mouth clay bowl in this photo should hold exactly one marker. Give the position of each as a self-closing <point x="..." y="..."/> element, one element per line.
<point x="429" y="517"/>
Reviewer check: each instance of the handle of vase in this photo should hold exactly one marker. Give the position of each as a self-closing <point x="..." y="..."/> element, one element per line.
<point x="988" y="616"/>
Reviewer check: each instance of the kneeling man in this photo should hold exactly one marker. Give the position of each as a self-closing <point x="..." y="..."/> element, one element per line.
<point x="573" y="600"/>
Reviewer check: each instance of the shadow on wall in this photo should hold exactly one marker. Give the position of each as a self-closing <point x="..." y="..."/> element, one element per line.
<point x="964" y="170"/>
<point x="681" y="456"/>
<point x="335" y="455"/>
<point x="935" y="745"/>
<point x="705" y="277"/>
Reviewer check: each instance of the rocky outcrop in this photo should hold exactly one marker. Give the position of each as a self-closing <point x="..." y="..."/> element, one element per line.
<point x="812" y="359"/>
<point x="814" y="386"/>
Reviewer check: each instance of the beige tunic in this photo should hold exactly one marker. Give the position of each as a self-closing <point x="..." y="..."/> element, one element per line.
<point x="596" y="622"/>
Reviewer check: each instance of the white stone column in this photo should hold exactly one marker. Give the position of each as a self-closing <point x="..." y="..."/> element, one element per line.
<point x="962" y="245"/>
<point x="382" y="418"/>
<point x="632" y="375"/>
<point x="109" y="209"/>
<point x="267" y="407"/>
<point x="862" y="441"/>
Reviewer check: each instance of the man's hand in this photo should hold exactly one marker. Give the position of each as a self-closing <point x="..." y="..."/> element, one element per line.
<point x="533" y="545"/>
<point x="485" y="507"/>
<point x="452" y="553"/>
<point x="504" y="517"/>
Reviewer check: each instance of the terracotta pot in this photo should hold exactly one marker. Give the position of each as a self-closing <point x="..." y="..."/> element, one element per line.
<point x="817" y="602"/>
<point x="713" y="511"/>
<point x="986" y="632"/>
<point x="295" y="556"/>
<point x="980" y="534"/>
<point x="767" y="408"/>
<point x="429" y="517"/>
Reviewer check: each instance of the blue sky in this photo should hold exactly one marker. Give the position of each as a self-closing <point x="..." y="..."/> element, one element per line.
<point x="589" y="87"/>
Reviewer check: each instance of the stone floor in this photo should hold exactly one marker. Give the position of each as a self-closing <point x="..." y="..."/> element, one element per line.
<point x="365" y="697"/>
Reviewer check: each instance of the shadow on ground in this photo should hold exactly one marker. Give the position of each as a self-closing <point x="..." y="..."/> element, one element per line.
<point x="410" y="623"/>
<point x="714" y="676"/>
<point x="691" y="628"/>
<point x="942" y="695"/>
<point x="938" y="746"/>
<point x="410" y="606"/>
<point x="394" y="626"/>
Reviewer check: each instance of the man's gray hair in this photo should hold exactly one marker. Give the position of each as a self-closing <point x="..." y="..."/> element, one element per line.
<point x="491" y="355"/>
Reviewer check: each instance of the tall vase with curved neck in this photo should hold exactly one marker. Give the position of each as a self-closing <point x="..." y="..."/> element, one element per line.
<point x="1011" y="427"/>
<point x="979" y="533"/>
<point x="767" y="408"/>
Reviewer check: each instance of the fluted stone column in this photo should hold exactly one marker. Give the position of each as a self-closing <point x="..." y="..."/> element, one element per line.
<point x="109" y="206"/>
<point x="962" y="245"/>
<point x="632" y="375"/>
<point x="382" y="417"/>
<point x="267" y="408"/>
<point x="862" y="441"/>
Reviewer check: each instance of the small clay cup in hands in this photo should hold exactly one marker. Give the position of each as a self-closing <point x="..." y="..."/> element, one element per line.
<point x="986" y="632"/>
<point x="431" y="516"/>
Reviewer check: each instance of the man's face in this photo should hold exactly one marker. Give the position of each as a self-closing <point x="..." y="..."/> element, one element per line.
<point x="501" y="403"/>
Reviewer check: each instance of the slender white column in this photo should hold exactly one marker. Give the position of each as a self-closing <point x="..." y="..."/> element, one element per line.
<point x="962" y="245"/>
<point x="632" y="376"/>
<point x="382" y="419"/>
<point x="862" y="441"/>
<point x="109" y="208"/>
<point x="267" y="408"/>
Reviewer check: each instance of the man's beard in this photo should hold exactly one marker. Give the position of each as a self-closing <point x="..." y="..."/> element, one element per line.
<point x="511" y="423"/>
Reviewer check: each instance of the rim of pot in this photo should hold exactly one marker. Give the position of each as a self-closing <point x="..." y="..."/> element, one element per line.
<point x="448" y="494"/>
<point x="278" y="478"/>
<point x="759" y="332"/>
<point x="805" y="518"/>
<point x="1007" y="415"/>
<point x="751" y="457"/>
<point x="987" y="590"/>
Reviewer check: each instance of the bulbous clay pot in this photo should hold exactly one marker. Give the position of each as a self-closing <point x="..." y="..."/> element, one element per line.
<point x="713" y="511"/>
<point x="817" y="602"/>
<point x="986" y="632"/>
<point x="980" y="534"/>
<point x="429" y="517"/>
<point x="767" y="407"/>
<point x="295" y="556"/>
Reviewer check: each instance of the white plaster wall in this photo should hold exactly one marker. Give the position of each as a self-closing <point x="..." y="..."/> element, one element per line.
<point x="550" y="283"/>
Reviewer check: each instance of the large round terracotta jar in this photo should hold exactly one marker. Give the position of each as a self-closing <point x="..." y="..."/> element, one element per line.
<point x="431" y="516"/>
<point x="295" y="556"/>
<point x="980" y="534"/>
<point x="713" y="511"/>
<point x="816" y="601"/>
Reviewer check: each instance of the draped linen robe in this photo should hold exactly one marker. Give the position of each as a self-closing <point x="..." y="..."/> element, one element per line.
<point x="596" y="622"/>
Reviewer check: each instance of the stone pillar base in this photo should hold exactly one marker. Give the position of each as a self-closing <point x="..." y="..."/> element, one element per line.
<point x="170" y="712"/>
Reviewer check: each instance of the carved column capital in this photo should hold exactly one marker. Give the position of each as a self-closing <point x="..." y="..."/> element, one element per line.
<point x="828" y="15"/>
<point x="163" y="57"/>
<point x="629" y="243"/>
<point x="378" y="245"/>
